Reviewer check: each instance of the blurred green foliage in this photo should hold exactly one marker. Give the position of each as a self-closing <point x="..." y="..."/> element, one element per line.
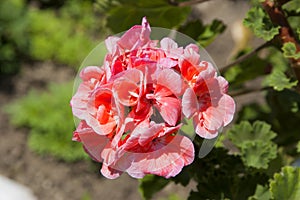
<point x="67" y="35"/>
<point x="49" y="119"/>
<point x="13" y="35"/>
<point x="64" y="35"/>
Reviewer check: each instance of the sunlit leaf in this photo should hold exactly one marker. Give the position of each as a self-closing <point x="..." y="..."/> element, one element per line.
<point x="290" y="50"/>
<point x="261" y="193"/>
<point x="278" y="80"/>
<point x="286" y="184"/>
<point x="258" y="154"/>
<point x="243" y="132"/>
<point x="260" y="24"/>
<point x="292" y="6"/>
<point x="254" y="143"/>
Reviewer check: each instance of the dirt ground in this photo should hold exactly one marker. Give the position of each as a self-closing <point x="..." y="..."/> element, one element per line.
<point x="50" y="179"/>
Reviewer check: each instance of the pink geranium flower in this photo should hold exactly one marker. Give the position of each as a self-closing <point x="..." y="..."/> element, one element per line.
<point x="206" y="101"/>
<point x="131" y="108"/>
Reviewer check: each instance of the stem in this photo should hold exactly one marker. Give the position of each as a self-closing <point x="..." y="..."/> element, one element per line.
<point x="245" y="57"/>
<point x="186" y="3"/>
<point x="246" y="91"/>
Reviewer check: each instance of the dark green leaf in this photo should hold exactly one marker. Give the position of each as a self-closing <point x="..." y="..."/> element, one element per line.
<point x="247" y="70"/>
<point x="192" y="29"/>
<point x="204" y="34"/>
<point x="151" y="184"/>
<point x="286" y="184"/>
<point x="211" y="31"/>
<point x="160" y="13"/>
<point x="224" y="176"/>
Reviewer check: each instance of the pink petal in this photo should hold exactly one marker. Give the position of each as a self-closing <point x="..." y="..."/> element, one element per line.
<point x="167" y="63"/>
<point x="129" y="87"/>
<point x="111" y="44"/>
<point x="168" y="44"/>
<point x="170" y="109"/>
<point x="136" y="37"/>
<point x="167" y="161"/>
<point x="213" y="118"/>
<point x="92" y="72"/>
<point x="202" y="131"/>
<point x="191" y="54"/>
<point x="223" y="84"/>
<point x="110" y="172"/>
<point x="92" y="142"/>
<point x="227" y="105"/>
<point x="127" y="92"/>
<point x="100" y="115"/>
<point x="171" y="80"/>
<point x="189" y="103"/>
<point x="171" y="48"/>
<point x="209" y="72"/>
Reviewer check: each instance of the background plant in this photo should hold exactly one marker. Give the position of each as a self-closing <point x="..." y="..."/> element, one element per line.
<point x="49" y="120"/>
<point x="13" y="35"/>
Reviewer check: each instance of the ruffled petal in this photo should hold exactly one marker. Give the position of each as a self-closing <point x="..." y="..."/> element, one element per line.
<point x="167" y="161"/>
<point x="170" y="109"/>
<point x="136" y="37"/>
<point x="171" y="80"/>
<point x="92" y="142"/>
<point x="189" y="103"/>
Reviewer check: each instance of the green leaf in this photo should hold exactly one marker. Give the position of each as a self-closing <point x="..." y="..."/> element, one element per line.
<point x="254" y="143"/>
<point x="261" y="193"/>
<point x="292" y="6"/>
<point x="260" y="24"/>
<point x="286" y="184"/>
<point x="244" y="132"/>
<point x="121" y="15"/>
<point x="277" y="60"/>
<point x="298" y="147"/>
<point x="258" y="154"/>
<point x="278" y="80"/>
<point x="192" y="28"/>
<point x="151" y="184"/>
<point x="290" y="50"/>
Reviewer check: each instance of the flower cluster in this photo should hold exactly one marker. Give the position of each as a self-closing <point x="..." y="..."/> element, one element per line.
<point x="131" y="108"/>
